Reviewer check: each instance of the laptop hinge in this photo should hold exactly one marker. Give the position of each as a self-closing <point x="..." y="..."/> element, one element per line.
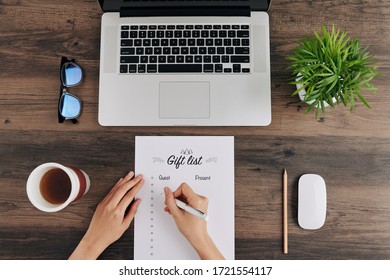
<point x="163" y="11"/>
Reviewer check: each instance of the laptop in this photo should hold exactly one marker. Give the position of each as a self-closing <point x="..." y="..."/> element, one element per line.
<point x="184" y="63"/>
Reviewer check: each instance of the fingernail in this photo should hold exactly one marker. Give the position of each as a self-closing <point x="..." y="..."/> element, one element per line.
<point x="166" y="190"/>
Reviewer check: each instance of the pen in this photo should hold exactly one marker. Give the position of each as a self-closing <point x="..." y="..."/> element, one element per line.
<point x="191" y="210"/>
<point x="285" y="223"/>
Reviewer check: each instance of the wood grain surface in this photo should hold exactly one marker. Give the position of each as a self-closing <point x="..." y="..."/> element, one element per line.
<point x="351" y="151"/>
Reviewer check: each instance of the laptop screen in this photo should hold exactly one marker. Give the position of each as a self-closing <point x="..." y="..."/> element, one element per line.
<point x="117" y="5"/>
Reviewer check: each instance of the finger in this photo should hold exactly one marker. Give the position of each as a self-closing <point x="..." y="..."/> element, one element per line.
<point x="130" y="195"/>
<point x="170" y="202"/>
<point x="122" y="189"/>
<point x="132" y="211"/>
<point x="184" y="191"/>
<point x="118" y="184"/>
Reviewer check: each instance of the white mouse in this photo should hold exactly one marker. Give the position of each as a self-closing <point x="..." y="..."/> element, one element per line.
<point x="311" y="201"/>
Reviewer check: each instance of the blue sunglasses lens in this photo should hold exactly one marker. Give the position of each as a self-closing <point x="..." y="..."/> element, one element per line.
<point x="70" y="106"/>
<point x="71" y="74"/>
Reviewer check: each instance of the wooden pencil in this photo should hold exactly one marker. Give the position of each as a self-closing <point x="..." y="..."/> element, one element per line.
<point x="285" y="226"/>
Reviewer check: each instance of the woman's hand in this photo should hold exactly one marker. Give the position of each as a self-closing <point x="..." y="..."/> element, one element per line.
<point x="111" y="218"/>
<point x="193" y="228"/>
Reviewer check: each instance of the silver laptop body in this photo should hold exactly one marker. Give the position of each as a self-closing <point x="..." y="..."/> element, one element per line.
<point x="228" y="87"/>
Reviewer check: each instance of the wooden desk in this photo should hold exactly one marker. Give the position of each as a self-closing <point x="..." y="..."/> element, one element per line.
<point x="350" y="150"/>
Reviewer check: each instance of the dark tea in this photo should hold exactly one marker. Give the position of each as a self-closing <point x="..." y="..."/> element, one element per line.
<point x="55" y="186"/>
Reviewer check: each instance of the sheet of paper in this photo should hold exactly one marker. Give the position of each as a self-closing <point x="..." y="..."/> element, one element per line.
<point x="206" y="164"/>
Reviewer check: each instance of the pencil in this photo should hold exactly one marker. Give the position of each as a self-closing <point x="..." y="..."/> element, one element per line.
<point x="285" y="229"/>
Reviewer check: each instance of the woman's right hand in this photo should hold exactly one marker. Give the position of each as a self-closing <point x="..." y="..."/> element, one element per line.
<point x="193" y="228"/>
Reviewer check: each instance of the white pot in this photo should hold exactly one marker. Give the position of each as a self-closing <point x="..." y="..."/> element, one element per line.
<point x="302" y="93"/>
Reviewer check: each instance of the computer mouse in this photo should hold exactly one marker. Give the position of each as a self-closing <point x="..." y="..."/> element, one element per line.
<point x="311" y="201"/>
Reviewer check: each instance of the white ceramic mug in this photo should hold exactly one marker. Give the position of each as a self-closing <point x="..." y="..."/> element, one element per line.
<point x="79" y="180"/>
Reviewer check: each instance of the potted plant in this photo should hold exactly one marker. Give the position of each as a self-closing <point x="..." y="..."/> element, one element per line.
<point x="331" y="69"/>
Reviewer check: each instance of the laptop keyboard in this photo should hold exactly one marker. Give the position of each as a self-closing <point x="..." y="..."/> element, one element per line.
<point x="206" y="48"/>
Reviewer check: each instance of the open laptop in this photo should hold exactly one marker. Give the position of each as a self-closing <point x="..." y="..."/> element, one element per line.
<point x="185" y="62"/>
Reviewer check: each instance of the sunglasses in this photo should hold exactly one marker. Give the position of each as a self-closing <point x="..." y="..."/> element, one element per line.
<point x="69" y="105"/>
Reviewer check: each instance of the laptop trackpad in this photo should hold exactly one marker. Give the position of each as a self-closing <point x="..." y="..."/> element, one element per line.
<point x="184" y="100"/>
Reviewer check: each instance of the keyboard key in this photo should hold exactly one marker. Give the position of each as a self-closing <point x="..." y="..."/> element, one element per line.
<point x="162" y="59"/>
<point x="152" y="27"/>
<point x="141" y="68"/>
<point x="178" y="34"/>
<point x="153" y="59"/>
<point x="217" y="26"/>
<point x="225" y="59"/>
<point x="162" y="27"/>
<point x="242" y="33"/>
<point x="142" y="34"/>
<point x="198" y="59"/>
<point x="133" y="34"/>
<point x="125" y="27"/>
<point x="213" y="33"/>
<point x="239" y="59"/>
<point x="226" y="26"/>
<point x="232" y="33"/>
<point x="144" y="59"/>
<point x="187" y="34"/>
<point x="126" y="43"/>
<point x="127" y="51"/>
<point x="208" y="68"/>
<point x="123" y="68"/>
<point x="148" y="50"/>
<point x="211" y="50"/>
<point x="134" y="27"/>
<point x="204" y="34"/>
<point x="216" y="59"/>
<point x="157" y="51"/>
<point x="245" y="42"/>
<point x="189" y="27"/>
<point x="200" y="42"/>
<point x="143" y="27"/>
<point x="129" y="59"/>
<point x="222" y="33"/>
<point x="193" y="50"/>
<point x="184" y="50"/>
<point x="160" y="34"/>
<point x="182" y="42"/>
<point x="137" y="42"/>
<point x="166" y="50"/>
<point x="218" y="68"/>
<point x="195" y="34"/>
<point x="207" y="27"/>
<point x="236" y="68"/>
<point x="241" y="50"/>
<point x="180" y="68"/>
<point x="245" y="70"/>
<point x="175" y="50"/>
<point x="189" y="59"/>
<point x="218" y="42"/>
<point x="235" y="27"/>
<point x="146" y="42"/>
<point x="244" y="26"/>
<point x="132" y="68"/>
<point x="152" y="34"/>
<point x="191" y="42"/>
<point x="227" y="70"/>
<point x="171" y="59"/>
<point x="207" y="59"/>
<point x="152" y="68"/>
<point x="139" y="51"/>
<point x="125" y="34"/>
<point x="180" y="59"/>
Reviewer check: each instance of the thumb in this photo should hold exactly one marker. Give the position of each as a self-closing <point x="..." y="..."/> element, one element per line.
<point x="170" y="201"/>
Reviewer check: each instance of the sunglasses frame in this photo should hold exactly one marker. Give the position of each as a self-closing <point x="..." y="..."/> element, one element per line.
<point x="64" y="89"/>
